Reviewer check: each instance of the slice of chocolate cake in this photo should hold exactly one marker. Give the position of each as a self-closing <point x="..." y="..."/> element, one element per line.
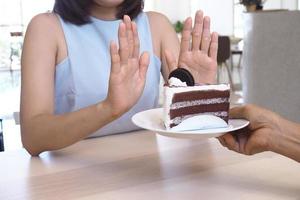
<point x="182" y="102"/>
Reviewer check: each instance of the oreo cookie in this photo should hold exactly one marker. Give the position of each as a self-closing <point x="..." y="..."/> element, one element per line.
<point x="184" y="75"/>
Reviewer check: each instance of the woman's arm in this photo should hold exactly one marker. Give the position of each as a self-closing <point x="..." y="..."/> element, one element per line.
<point x="41" y="129"/>
<point x="164" y="39"/>
<point x="267" y="132"/>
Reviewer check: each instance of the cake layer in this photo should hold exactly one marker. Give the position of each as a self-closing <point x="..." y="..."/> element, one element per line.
<point x="203" y="94"/>
<point x="211" y="108"/>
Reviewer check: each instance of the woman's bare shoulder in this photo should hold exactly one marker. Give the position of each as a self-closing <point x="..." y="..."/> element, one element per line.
<point x="160" y="20"/>
<point x="157" y="18"/>
<point x="45" y="29"/>
<point x="44" y="21"/>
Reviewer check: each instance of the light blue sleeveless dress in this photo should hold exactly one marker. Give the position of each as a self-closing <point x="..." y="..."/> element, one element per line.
<point x="82" y="78"/>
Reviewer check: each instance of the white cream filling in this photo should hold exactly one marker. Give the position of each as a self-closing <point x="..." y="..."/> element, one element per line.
<point x="185" y="104"/>
<point x="176" y="82"/>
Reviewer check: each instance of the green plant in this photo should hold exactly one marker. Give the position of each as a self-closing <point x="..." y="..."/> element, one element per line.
<point x="178" y="26"/>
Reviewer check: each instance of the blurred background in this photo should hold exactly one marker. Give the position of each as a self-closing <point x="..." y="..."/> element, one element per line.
<point x="227" y="19"/>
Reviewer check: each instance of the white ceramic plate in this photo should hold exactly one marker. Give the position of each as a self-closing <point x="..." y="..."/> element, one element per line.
<point x="152" y="120"/>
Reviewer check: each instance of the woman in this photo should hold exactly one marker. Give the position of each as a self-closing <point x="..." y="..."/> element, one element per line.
<point x="77" y="82"/>
<point x="267" y="132"/>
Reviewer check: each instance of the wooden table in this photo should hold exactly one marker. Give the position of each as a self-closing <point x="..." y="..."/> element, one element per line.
<point x="143" y="165"/>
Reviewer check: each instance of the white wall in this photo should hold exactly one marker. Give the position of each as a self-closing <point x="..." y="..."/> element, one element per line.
<point x="289" y="4"/>
<point x="272" y="4"/>
<point x="34" y="7"/>
<point x="174" y="9"/>
<point x="220" y="11"/>
<point x="281" y="4"/>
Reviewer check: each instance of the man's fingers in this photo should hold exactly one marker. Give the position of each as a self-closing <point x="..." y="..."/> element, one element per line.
<point x="244" y="112"/>
<point x="238" y="113"/>
<point x="230" y="142"/>
<point x="221" y="140"/>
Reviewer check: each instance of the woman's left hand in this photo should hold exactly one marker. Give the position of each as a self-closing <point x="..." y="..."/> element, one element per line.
<point x="200" y="56"/>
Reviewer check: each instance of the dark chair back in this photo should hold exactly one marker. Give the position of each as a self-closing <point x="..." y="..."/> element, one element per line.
<point x="223" y="49"/>
<point x="16" y="34"/>
<point x="1" y="136"/>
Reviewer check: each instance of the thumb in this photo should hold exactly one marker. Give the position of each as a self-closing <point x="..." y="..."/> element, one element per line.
<point x="238" y="112"/>
<point x="144" y="63"/>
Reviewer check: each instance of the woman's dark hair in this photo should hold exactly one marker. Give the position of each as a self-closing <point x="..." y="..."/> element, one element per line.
<point x="78" y="11"/>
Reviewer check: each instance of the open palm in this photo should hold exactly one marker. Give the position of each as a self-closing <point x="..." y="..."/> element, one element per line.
<point x="200" y="57"/>
<point x="128" y="72"/>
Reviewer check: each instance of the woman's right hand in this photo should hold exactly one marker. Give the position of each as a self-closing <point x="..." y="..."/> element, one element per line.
<point x="128" y="69"/>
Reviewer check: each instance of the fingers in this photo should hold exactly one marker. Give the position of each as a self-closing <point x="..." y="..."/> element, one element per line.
<point x="242" y="137"/>
<point x="239" y="141"/>
<point x="171" y="61"/>
<point x="115" y="58"/>
<point x="186" y="35"/>
<point x="144" y="63"/>
<point x="239" y="112"/>
<point x="129" y="34"/>
<point x="230" y="142"/>
<point x="128" y="40"/>
<point x="222" y="141"/>
<point x="202" y="39"/>
<point x="205" y="40"/>
<point x="245" y="112"/>
<point x="213" y="49"/>
<point x="123" y="44"/>
<point x="197" y="31"/>
<point x="136" y="49"/>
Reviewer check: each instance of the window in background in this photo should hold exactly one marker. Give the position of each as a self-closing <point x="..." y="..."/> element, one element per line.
<point x="149" y="5"/>
<point x="238" y="21"/>
<point x="220" y="12"/>
<point x="14" y="18"/>
<point x="10" y="21"/>
<point x="34" y="7"/>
